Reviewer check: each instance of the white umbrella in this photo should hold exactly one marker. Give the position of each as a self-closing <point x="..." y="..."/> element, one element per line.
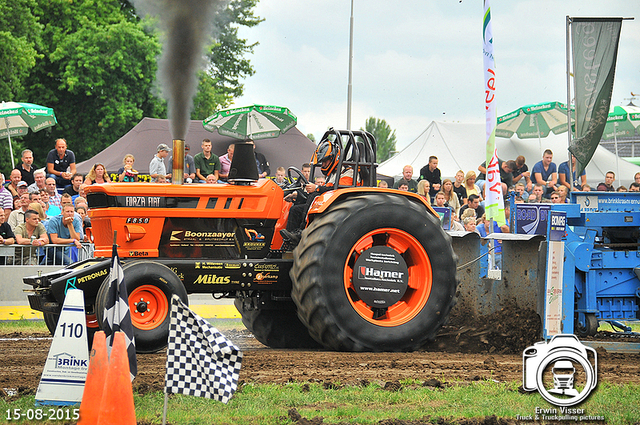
<point x="16" y="119"/>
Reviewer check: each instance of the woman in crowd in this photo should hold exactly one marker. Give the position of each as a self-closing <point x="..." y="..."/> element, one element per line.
<point x="470" y="185"/>
<point x="37" y="207"/>
<point x="97" y="175"/>
<point x="127" y="173"/>
<point x="423" y="190"/>
<point x="450" y="196"/>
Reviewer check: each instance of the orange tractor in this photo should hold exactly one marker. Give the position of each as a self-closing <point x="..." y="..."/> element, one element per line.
<point x="373" y="269"/>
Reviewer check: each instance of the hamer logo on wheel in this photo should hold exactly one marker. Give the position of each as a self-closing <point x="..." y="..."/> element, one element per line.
<point x="382" y="276"/>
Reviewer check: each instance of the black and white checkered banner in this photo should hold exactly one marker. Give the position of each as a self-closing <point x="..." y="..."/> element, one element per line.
<point x="117" y="316"/>
<point x="200" y="360"/>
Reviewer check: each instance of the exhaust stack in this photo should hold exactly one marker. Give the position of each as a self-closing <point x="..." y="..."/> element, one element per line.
<point x="177" y="171"/>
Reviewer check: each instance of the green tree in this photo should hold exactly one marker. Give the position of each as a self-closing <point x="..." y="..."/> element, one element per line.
<point x="97" y="73"/>
<point x="19" y="35"/>
<point x="227" y="65"/>
<point x="97" y="64"/>
<point x="385" y="137"/>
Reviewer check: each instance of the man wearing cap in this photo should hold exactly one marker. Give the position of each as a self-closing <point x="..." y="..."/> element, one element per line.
<point x="22" y="188"/>
<point x="189" y="165"/>
<point x="156" y="166"/>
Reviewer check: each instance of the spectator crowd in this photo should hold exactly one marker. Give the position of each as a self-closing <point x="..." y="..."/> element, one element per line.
<point x="464" y="196"/>
<point x="44" y="206"/>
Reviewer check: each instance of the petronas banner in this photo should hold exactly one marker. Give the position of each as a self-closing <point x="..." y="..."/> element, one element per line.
<point x="595" y="50"/>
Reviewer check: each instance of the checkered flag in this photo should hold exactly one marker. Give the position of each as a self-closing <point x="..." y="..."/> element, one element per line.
<point x="117" y="316"/>
<point x="200" y="360"/>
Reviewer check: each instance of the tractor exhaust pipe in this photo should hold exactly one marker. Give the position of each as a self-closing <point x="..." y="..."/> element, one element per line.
<point x="177" y="169"/>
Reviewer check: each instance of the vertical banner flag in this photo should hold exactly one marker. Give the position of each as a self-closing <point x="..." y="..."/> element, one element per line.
<point x="595" y="50"/>
<point x="494" y="201"/>
<point x="200" y="360"/>
<point x="117" y="316"/>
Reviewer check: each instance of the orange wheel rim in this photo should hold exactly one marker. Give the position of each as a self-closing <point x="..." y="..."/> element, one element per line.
<point x="92" y="321"/>
<point x="149" y="307"/>
<point x="420" y="276"/>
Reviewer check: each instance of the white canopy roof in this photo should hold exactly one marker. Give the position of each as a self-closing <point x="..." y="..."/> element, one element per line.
<point x="461" y="146"/>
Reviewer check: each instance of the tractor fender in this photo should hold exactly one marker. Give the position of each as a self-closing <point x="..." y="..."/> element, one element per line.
<point x="325" y="200"/>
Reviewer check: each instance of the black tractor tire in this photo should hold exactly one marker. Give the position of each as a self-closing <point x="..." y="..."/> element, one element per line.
<point x="276" y="328"/>
<point x="51" y="320"/>
<point x="323" y="271"/>
<point x="153" y="285"/>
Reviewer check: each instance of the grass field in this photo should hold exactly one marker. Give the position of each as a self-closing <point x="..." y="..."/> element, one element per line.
<point x="364" y="403"/>
<point x="370" y="404"/>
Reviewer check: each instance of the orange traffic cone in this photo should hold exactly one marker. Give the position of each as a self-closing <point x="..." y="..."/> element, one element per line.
<point x="117" y="398"/>
<point x="94" y="384"/>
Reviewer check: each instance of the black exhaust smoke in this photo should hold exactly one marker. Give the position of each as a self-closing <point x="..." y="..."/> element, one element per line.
<point x="187" y="26"/>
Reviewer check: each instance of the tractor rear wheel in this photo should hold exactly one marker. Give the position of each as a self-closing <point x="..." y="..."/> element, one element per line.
<point x="150" y="286"/>
<point x="276" y="328"/>
<point x="375" y="272"/>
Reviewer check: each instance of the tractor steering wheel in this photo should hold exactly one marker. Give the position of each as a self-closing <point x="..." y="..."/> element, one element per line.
<point x="298" y="183"/>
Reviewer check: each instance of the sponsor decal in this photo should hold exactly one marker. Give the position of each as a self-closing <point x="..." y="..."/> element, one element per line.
<point x="380" y="276"/>
<point x="372" y="273"/>
<point x="256" y="240"/>
<point x="208" y="279"/>
<point x="68" y="361"/>
<point x="93" y="276"/>
<point x="254" y="235"/>
<point x="191" y="236"/>
<point x="253" y="246"/>
<point x="138" y="254"/>
<point x="208" y="265"/>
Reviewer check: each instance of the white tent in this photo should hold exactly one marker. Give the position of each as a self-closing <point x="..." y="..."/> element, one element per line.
<point x="461" y="146"/>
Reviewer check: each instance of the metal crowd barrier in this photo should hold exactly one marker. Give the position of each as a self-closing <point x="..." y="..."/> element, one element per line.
<point x="51" y="255"/>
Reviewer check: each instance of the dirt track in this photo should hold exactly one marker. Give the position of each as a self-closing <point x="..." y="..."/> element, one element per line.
<point x="459" y="354"/>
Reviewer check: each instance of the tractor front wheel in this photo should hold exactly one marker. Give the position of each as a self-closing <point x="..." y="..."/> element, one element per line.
<point x="150" y="286"/>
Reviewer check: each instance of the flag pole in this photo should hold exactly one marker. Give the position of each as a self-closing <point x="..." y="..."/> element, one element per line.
<point x="568" y="58"/>
<point x="164" y="409"/>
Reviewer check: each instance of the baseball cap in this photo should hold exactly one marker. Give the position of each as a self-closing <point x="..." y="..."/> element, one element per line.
<point x="163" y="147"/>
<point x="22" y="183"/>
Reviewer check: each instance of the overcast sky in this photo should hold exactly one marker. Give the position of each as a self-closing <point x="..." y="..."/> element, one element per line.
<point x="417" y="61"/>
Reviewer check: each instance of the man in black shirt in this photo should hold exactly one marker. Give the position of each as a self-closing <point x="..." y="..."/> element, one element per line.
<point x="61" y="162"/>
<point x="26" y="167"/>
<point x="506" y="169"/>
<point x="473" y="201"/>
<point x="431" y="173"/>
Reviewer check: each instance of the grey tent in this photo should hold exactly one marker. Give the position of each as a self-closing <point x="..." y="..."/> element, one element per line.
<point x="290" y="149"/>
